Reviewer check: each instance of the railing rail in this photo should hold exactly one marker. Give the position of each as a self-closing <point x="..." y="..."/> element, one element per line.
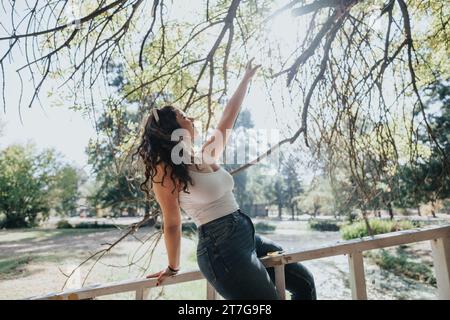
<point x="438" y="236"/>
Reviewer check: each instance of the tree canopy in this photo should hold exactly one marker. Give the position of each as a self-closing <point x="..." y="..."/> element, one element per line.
<point x="356" y="73"/>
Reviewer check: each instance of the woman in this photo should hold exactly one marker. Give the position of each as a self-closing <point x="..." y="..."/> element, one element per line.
<point x="228" y="248"/>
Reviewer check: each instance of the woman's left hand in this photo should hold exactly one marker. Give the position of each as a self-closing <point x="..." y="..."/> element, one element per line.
<point x="161" y="275"/>
<point x="250" y="70"/>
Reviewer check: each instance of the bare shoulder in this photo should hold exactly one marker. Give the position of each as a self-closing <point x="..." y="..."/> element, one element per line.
<point x="163" y="178"/>
<point x="167" y="192"/>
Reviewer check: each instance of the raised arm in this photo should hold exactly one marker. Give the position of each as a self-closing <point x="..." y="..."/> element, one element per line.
<point x="229" y="115"/>
<point x="170" y="208"/>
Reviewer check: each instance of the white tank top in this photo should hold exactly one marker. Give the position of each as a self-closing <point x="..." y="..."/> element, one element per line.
<point x="210" y="197"/>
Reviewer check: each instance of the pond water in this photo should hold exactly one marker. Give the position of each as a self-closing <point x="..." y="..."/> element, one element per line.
<point x="332" y="274"/>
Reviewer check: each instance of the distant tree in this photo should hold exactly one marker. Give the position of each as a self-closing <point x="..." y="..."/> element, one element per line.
<point x="411" y="193"/>
<point x="437" y="181"/>
<point x="26" y="177"/>
<point x="318" y="197"/>
<point x="244" y="198"/>
<point x="293" y="184"/>
<point x="114" y="189"/>
<point x="258" y="183"/>
<point x="344" y="196"/>
<point x="428" y="179"/>
<point x="276" y="193"/>
<point x="65" y="190"/>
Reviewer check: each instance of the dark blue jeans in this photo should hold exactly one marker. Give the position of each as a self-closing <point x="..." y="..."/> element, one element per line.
<point x="228" y="254"/>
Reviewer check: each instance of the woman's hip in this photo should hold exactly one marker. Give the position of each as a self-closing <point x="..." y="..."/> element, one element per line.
<point x="227" y="242"/>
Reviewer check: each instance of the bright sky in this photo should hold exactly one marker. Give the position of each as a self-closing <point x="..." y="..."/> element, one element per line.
<point x="48" y="127"/>
<point x="68" y="132"/>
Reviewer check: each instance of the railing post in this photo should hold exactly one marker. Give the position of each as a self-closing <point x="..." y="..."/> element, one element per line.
<point x="280" y="281"/>
<point x="211" y="293"/>
<point x="441" y="259"/>
<point x="142" y="293"/>
<point x="357" y="279"/>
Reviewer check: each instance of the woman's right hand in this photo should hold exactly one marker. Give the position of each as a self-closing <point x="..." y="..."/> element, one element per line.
<point x="161" y="275"/>
<point x="250" y="70"/>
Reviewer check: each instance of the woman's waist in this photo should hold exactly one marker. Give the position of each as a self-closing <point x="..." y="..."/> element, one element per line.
<point x="210" y="230"/>
<point x="208" y="212"/>
<point x="222" y="218"/>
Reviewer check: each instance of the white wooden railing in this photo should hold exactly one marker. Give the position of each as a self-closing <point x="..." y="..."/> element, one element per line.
<point x="439" y="238"/>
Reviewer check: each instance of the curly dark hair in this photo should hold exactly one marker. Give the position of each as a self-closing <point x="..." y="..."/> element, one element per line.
<point x="156" y="148"/>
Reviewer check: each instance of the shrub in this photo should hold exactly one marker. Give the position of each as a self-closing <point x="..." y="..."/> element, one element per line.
<point x="94" y="225"/>
<point x="323" y="225"/>
<point x="63" y="224"/>
<point x="264" y="227"/>
<point x="359" y="230"/>
<point x="400" y="264"/>
<point x="189" y="228"/>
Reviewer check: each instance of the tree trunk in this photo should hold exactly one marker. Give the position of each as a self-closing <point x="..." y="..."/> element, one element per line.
<point x="391" y="212"/>
<point x="418" y="211"/>
<point x="369" y="229"/>
<point x="433" y="212"/>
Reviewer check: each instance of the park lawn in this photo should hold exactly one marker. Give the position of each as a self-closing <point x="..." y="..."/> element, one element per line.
<point x="32" y="261"/>
<point x="14" y="265"/>
<point x="40" y="234"/>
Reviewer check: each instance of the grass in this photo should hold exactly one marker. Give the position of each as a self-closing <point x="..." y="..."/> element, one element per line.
<point x="18" y="235"/>
<point x="12" y="266"/>
<point x="20" y="267"/>
<point x="64" y="224"/>
<point x="358" y="229"/>
<point x="15" y="267"/>
<point x="401" y="264"/>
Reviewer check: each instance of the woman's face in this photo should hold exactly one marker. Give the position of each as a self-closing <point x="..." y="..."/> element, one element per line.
<point x="186" y="123"/>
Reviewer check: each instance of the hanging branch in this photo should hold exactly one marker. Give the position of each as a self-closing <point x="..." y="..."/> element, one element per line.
<point x="131" y="230"/>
